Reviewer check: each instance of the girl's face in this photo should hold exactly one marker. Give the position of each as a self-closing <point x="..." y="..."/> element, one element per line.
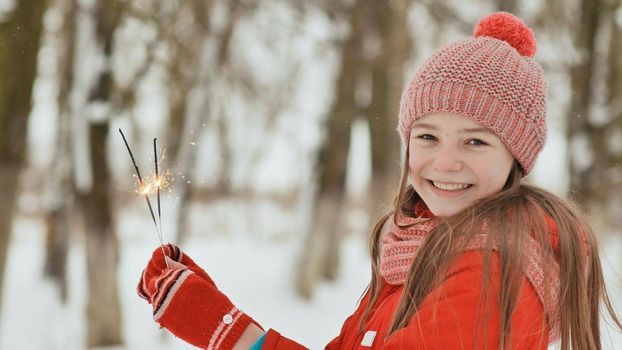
<point x="454" y="161"/>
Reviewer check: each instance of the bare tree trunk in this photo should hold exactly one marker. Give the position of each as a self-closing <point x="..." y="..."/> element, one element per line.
<point x="57" y="246"/>
<point x="9" y="173"/>
<point x="103" y="305"/>
<point x="196" y="113"/>
<point x="507" y="5"/>
<point x="19" y="45"/>
<point x="387" y="74"/>
<point x="586" y="133"/>
<point x="60" y="193"/>
<point x="595" y="116"/>
<point x="224" y="185"/>
<point x="376" y="49"/>
<point x="190" y="95"/>
<point x="613" y="133"/>
<point x="581" y="79"/>
<point x="178" y="125"/>
<point x="319" y="256"/>
<point x="186" y="112"/>
<point x="104" y="326"/>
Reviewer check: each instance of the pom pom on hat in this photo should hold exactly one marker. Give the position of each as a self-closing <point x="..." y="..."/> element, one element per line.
<point x="509" y="28"/>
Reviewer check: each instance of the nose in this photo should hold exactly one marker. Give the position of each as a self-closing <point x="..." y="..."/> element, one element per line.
<point x="447" y="160"/>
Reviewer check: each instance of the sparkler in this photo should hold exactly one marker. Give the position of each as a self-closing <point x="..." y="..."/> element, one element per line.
<point x="146" y="189"/>
<point x="158" y="183"/>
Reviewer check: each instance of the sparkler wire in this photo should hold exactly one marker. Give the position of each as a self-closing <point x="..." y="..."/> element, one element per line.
<point x="140" y="180"/>
<point x="155" y="158"/>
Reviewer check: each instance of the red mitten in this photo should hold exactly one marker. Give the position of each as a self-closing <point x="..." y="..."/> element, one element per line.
<point x="157" y="265"/>
<point x="196" y="311"/>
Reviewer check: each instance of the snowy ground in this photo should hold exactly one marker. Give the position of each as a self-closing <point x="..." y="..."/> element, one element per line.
<point x="255" y="273"/>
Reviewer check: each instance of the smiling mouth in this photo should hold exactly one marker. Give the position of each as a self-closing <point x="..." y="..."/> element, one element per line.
<point x="454" y="187"/>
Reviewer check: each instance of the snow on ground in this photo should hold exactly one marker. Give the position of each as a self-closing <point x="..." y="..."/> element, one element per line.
<point x="257" y="274"/>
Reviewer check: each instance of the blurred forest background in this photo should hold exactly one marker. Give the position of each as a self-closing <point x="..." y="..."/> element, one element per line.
<point x="278" y="123"/>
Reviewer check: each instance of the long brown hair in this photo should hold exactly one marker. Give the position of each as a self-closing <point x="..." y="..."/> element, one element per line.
<point x="511" y="215"/>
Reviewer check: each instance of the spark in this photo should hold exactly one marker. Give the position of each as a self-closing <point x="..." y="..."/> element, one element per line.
<point x="151" y="184"/>
<point x="145" y="188"/>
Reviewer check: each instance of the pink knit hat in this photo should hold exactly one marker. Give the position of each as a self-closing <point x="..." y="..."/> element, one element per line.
<point x="490" y="78"/>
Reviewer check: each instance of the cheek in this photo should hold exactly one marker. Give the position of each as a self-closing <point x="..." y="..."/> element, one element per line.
<point x="414" y="165"/>
<point x="411" y="163"/>
<point x="493" y="174"/>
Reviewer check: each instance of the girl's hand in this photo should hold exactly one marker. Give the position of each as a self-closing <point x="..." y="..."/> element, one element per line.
<point x="158" y="264"/>
<point x="186" y="301"/>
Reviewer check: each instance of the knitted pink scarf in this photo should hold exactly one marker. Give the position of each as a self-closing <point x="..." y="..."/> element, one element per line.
<point x="400" y="245"/>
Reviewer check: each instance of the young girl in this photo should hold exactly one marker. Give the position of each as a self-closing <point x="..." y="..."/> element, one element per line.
<point x="469" y="257"/>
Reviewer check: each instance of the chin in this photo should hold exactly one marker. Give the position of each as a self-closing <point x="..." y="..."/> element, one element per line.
<point x="445" y="212"/>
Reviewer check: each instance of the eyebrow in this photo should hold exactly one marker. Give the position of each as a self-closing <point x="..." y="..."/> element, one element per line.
<point x="465" y="130"/>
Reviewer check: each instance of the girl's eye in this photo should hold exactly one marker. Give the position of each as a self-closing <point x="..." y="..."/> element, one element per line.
<point x="477" y="142"/>
<point x="427" y="137"/>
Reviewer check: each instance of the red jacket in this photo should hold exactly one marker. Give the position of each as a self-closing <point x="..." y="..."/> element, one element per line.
<point x="447" y="318"/>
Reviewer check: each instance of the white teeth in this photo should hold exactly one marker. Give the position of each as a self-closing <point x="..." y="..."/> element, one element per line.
<point x="450" y="187"/>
